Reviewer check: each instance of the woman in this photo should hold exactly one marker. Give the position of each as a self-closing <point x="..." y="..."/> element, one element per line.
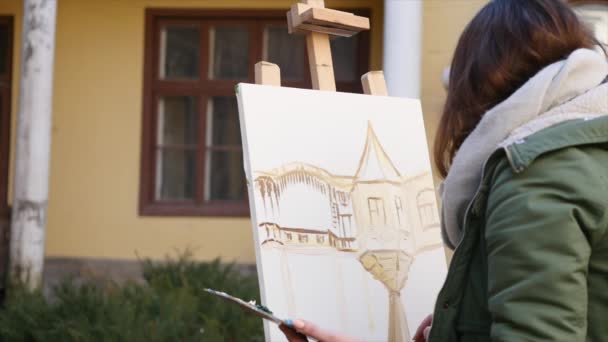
<point x="523" y="147"/>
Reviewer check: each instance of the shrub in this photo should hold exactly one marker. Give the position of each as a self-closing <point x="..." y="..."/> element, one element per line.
<point x="171" y="306"/>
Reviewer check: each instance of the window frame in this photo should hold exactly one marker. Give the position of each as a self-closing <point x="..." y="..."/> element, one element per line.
<point x="5" y="117"/>
<point x="154" y="88"/>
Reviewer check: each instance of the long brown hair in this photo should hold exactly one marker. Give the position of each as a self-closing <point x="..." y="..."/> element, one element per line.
<point x="506" y="44"/>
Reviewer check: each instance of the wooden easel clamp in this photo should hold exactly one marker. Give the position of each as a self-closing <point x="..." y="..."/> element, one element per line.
<point x="313" y="16"/>
<point x="310" y="17"/>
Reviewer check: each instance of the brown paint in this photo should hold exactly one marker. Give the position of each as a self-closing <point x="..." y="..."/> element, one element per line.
<point x="332" y="237"/>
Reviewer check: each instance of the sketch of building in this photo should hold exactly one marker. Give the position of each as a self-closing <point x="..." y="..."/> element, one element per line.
<point x="343" y="208"/>
<point x="375" y="198"/>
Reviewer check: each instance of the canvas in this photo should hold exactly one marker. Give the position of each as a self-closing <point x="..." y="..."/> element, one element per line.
<point x="343" y="209"/>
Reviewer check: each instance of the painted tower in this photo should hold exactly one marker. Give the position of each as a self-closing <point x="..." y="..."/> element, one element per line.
<point x="384" y="237"/>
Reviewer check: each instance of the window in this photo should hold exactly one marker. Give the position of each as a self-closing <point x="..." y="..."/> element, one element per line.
<point x="303" y="238"/>
<point x="427" y="210"/>
<point x="192" y="160"/>
<point x="6" y="38"/>
<point x="6" y="52"/>
<point x="377" y="216"/>
<point x="321" y="239"/>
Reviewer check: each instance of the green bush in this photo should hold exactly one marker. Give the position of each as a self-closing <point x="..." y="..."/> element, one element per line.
<point x="172" y="306"/>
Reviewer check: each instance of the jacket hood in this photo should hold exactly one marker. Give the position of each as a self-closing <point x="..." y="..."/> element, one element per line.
<point x="566" y="90"/>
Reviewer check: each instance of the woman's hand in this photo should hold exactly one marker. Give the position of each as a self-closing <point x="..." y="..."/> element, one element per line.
<point x="309" y="329"/>
<point x="422" y="333"/>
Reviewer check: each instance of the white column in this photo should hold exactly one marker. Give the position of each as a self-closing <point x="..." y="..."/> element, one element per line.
<point x="32" y="157"/>
<point x="402" y="47"/>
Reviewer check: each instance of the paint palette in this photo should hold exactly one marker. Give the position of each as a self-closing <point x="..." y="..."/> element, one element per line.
<point x="250" y="307"/>
<point x="255" y="309"/>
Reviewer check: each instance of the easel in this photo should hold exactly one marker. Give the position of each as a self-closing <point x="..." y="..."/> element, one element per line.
<point x="310" y="17"/>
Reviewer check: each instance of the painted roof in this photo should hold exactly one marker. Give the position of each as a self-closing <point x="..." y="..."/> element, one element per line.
<point x="375" y="164"/>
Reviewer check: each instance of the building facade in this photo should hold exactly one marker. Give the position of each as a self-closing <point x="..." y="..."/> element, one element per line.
<point x="145" y="154"/>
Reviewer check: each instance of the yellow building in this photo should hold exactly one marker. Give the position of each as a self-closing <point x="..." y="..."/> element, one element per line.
<point x="145" y="153"/>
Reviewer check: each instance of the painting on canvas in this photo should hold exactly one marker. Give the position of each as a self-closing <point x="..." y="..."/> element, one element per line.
<point x="343" y="209"/>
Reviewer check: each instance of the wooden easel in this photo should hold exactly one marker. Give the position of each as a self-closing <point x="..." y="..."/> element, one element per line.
<point x="310" y="17"/>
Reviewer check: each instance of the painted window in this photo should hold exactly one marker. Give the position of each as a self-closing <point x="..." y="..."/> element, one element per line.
<point x="192" y="161"/>
<point x="346" y="224"/>
<point x="399" y="210"/>
<point x="377" y="215"/>
<point x="427" y="209"/>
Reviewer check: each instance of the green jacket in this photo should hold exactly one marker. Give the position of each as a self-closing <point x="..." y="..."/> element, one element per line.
<point x="533" y="262"/>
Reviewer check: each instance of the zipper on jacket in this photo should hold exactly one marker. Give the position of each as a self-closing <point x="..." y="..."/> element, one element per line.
<point x="470" y="205"/>
<point x="464" y="231"/>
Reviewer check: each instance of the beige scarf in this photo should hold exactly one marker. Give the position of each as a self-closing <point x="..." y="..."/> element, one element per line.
<point x="566" y="90"/>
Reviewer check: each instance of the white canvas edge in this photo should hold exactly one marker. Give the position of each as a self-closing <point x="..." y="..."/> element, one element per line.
<point x="252" y="208"/>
